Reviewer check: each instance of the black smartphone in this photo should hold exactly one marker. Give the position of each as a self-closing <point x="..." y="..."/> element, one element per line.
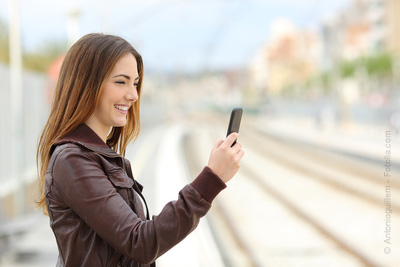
<point x="234" y="122"/>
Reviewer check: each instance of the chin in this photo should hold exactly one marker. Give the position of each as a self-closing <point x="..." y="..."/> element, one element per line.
<point x="120" y="124"/>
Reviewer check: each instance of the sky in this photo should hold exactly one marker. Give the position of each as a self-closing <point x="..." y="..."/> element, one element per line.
<point x="182" y="35"/>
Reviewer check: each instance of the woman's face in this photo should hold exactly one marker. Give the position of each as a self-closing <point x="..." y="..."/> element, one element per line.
<point x="118" y="95"/>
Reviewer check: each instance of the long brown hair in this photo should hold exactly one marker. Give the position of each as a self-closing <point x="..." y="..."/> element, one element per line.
<point x="87" y="64"/>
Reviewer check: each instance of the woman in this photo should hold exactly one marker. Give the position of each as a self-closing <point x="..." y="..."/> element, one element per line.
<point x="96" y="208"/>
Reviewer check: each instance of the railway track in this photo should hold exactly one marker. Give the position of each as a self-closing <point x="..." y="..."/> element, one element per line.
<point x="297" y="205"/>
<point x="289" y="205"/>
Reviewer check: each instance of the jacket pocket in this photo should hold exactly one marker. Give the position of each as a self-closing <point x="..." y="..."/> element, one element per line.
<point x="125" y="187"/>
<point x="123" y="184"/>
<point x="119" y="178"/>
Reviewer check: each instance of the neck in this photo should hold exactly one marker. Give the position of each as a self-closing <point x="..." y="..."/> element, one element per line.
<point x="100" y="130"/>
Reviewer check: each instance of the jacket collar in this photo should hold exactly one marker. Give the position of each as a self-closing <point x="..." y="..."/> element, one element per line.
<point x="84" y="136"/>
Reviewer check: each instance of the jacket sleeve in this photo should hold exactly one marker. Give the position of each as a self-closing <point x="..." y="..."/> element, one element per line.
<point x="87" y="190"/>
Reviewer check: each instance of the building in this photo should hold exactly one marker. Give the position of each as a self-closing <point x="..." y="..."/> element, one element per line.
<point x="289" y="59"/>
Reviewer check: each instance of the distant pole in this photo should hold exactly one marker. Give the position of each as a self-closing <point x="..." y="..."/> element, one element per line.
<point x="16" y="103"/>
<point x="73" y="27"/>
<point x="105" y="14"/>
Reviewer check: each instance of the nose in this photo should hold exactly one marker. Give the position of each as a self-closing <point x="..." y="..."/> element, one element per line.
<point x="132" y="94"/>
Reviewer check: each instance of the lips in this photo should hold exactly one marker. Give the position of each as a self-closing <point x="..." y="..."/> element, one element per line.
<point x="121" y="107"/>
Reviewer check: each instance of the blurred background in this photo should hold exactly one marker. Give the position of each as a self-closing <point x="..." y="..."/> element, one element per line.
<point x="319" y="82"/>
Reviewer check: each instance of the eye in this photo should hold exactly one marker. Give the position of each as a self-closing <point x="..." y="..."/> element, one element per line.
<point x="136" y="84"/>
<point x="120" y="82"/>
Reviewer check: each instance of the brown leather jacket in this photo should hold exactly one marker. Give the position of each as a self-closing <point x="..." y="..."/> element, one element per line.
<point x="95" y="210"/>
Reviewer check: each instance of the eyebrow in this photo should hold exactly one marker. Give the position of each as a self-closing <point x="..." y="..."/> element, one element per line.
<point x="125" y="76"/>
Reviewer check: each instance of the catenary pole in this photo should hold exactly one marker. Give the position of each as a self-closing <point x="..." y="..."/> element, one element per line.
<point x="16" y="104"/>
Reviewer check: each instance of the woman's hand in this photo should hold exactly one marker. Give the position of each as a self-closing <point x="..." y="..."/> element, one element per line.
<point x="224" y="160"/>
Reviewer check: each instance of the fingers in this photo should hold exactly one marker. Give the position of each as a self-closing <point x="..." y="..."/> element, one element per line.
<point x="239" y="155"/>
<point x="237" y="151"/>
<point x="218" y="143"/>
<point x="224" y="159"/>
<point x="230" y="139"/>
<point x="227" y="143"/>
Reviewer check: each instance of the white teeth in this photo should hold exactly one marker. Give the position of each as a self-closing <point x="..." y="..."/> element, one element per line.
<point x="124" y="108"/>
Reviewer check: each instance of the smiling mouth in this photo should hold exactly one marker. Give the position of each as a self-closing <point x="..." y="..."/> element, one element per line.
<point x="121" y="107"/>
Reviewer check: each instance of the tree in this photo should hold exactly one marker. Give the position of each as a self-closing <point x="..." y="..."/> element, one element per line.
<point x="4" y="48"/>
<point x="41" y="59"/>
<point x="37" y="60"/>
